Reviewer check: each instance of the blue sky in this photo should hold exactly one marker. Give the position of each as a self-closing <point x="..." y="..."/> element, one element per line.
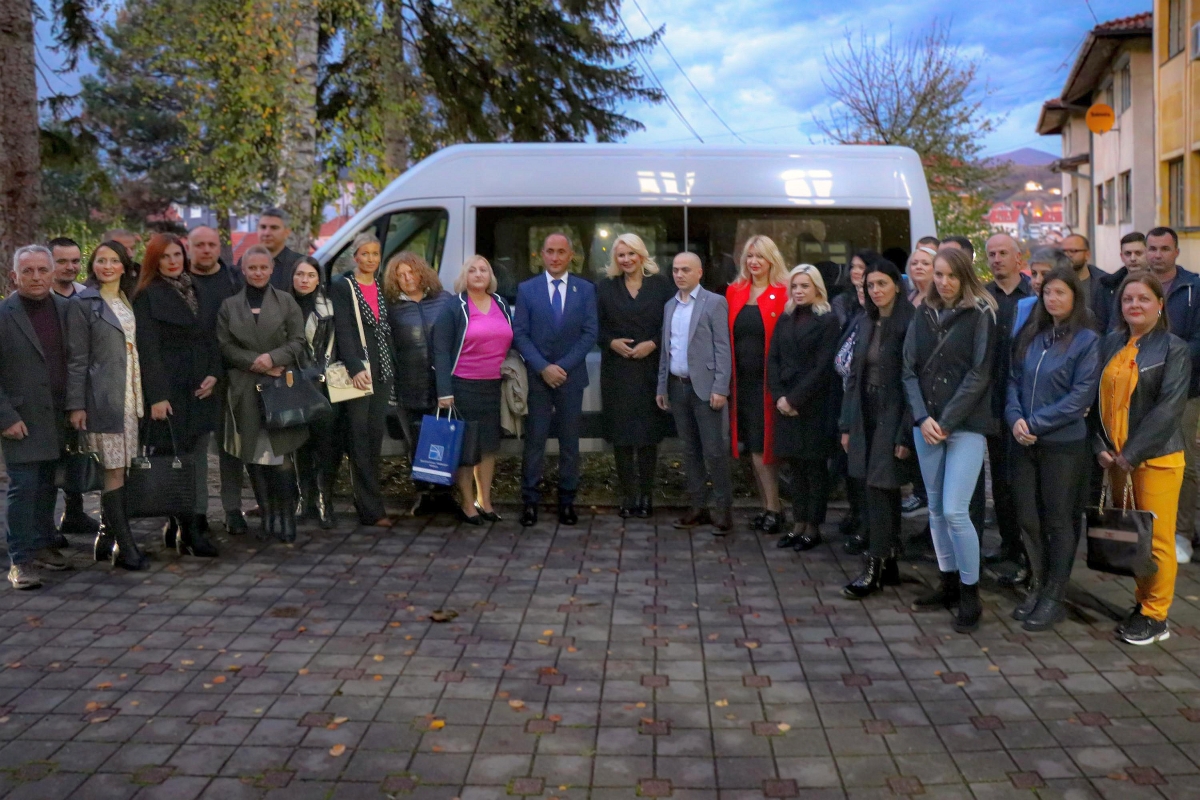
<point x="759" y="62"/>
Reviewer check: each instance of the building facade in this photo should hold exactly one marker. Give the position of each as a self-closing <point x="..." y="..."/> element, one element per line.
<point x="1108" y="179"/>
<point x="1177" y="144"/>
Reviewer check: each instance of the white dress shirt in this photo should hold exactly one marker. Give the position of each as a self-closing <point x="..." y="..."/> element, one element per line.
<point x="681" y="323"/>
<point x="562" y="287"/>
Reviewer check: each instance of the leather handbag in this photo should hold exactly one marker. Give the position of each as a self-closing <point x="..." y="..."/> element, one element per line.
<point x="339" y="382"/>
<point x="79" y="469"/>
<point x="293" y="399"/>
<point x="1120" y="542"/>
<point x="160" y="485"/>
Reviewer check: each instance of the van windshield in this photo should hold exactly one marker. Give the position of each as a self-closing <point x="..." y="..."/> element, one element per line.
<point x="511" y="238"/>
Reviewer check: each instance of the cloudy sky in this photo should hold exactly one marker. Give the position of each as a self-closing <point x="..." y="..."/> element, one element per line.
<point x="759" y="62"/>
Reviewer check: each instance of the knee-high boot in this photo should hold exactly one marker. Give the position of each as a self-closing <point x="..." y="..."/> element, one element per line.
<point x="306" y="483"/>
<point x="326" y="474"/>
<point x="262" y="491"/>
<point x="124" y="551"/>
<point x="1035" y="548"/>
<point x="283" y="487"/>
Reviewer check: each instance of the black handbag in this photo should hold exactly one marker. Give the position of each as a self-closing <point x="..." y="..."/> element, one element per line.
<point x="1120" y="542"/>
<point x="293" y="399"/>
<point x="79" y="469"/>
<point x="161" y="485"/>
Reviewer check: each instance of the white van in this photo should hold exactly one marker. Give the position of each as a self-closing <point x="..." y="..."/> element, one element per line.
<point x="500" y="200"/>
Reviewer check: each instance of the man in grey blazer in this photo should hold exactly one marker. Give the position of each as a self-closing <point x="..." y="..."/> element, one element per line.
<point x="695" y="366"/>
<point x="33" y="386"/>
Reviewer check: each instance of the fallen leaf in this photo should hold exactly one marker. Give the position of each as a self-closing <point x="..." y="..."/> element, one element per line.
<point x="303" y="671"/>
<point x="783" y="727"/>
<point x="712" y="637"/>
<point x="187" y="662"/>
<point x="92" y="706"/>
<point x="437" y="748"/>
<point x="503" y="695"/>
<point x="437" y="724"/>
<point x="104" y="685"/>
<point x="337" y="750"/>
<point x="393" y="624"/>
<point x="555" y="717"/>
<point x="340" y="720"/>
<point x="443" y="616"/>
<point x="721" y="703"/>
<point x="572" y="649"/>
<point x="219" y="679"/>
<point x="751" y="645"/>
<point x="378" y="677"/>
<point x="516" y="705"/>
<point x="547" y="633"/>
<point x="379" y="658"/>
<point x="639" y="705"/>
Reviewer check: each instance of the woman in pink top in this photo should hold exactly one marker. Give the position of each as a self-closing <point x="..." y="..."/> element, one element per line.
<point x="470" y="341"/>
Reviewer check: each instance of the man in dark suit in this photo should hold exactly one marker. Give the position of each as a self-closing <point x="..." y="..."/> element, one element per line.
<point x="554" y="327"/>
<point x="33" y="389"/>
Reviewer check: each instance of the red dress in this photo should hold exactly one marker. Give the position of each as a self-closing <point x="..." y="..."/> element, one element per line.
<point x="770" y="305"/>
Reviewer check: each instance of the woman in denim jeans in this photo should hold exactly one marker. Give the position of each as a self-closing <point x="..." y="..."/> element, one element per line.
<point x="948" y="355"/>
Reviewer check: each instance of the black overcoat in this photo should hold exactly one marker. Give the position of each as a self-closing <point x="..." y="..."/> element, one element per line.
<point x="800" y="368"/>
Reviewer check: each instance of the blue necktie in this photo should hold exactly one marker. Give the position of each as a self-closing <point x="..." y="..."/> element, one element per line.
<point x="558" y="301"/>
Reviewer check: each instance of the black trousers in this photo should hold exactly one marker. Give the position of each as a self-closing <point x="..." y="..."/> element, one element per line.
<point x="1000" y="453"/>
<point x="810" y="489"/>
<point x="635" y="470"/>
<point x="883" y="521"/>
<point x="365" y="422"/>
<point x="320" y="457"/>
<point x="1052" y="477"/>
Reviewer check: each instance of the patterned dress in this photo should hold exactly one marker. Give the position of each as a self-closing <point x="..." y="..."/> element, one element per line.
<point x="118" y="449"/>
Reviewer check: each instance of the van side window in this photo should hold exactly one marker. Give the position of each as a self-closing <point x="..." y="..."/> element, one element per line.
<point x="511" y="238"/>
<point x="423" y="231"/>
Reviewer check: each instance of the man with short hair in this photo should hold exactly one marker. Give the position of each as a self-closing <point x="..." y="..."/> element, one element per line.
<point x="220" y="282"/>
<point x="555" y="326"/>
<point x="33" y="396"/>
<point x="1008" y="287"/>
<point x="273" y="233"/>
<point x="68" y="263"/>
<point x="962" y="243"/>
<point x="695" y="368"/>
<point x="1098" y="285"/>
<point x="1133" y="251"/>
<point x="1182" y="292"/>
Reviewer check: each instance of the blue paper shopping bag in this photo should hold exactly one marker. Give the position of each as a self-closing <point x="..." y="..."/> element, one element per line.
<point x="439" y="449"/>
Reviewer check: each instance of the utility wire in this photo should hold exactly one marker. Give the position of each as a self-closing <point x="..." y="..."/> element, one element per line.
<point x="666" y="94"/>
<point x="667" y="50"/>
<point x="1095" y="19"/>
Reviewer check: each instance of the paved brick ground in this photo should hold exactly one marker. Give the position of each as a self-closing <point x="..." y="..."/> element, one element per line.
<point x="595" y="662"/>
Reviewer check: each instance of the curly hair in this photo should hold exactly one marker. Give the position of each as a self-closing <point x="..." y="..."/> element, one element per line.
<point x="430" y="283"/>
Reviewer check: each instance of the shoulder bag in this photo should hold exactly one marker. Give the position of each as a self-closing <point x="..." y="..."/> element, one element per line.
<point x="338" y="380"/>
<point x="293" y="399"/>
<point x="1120" y="542"/>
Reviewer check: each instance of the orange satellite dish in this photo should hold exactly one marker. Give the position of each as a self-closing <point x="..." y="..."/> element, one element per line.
<point x="1100" y="118"/>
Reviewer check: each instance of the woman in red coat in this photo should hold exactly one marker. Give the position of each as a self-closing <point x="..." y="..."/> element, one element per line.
<point x="756" y="303"/>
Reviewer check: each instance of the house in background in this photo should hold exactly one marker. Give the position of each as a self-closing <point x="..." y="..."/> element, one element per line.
<point x="1177" y="145"/>
<point x="1108" y="180"/>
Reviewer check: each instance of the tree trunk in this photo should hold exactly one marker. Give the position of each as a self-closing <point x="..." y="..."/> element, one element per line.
<point x="225" y="232"/>
<point x="20" y="155"/>
<point x="396" y="87"/>
<point x="298" y="159"/>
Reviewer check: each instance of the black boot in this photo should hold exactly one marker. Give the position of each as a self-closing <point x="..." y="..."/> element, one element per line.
<point x="869" y="581"/>
<point x="124" y="553"/>
<point x="891" y="571"/>
<point x="170" y="534"/>
<point x="285" y="501"/>
<point x="103" y="546"/>
<point x="306" y="484"/>
<point x="773" y="522"/>
<point x="943" y="597"/>
<point x="266" y="511"/>
<point x="75" y="519"/>
<point x="192" y="541"/>
<point x="1050" y="608"/>
<point x="325" y="499"/>
<point x="969" y="608"/>
<point x="856" y="542"/>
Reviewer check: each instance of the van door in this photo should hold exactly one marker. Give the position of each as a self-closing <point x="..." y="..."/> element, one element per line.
<point x="430" y="227"/>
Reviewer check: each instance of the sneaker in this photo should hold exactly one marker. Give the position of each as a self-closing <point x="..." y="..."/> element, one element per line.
<point x="1119" y="630"/>
<point x="1143" y="630"/>
<point x="1183" y="550"/>
<point x="912" y="505"/>
<point x="49" y="558"/>
<point x="23" y="576"/>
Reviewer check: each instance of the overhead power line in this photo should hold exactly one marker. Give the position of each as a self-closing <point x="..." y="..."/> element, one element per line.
<point x="667" y="50"/>
<point x="666" y="94"/>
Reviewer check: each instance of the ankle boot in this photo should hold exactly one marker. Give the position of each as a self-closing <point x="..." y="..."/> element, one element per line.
<point x="970" y="609"/>
<point x="193" y="541"/>
<point x="124" y="553"/>
<point x="773" y="522"/>
<point x="944" y="597"/>
<point x="869" y="581"/>
<point x="1033" y="596"/>
<point x="285" y="493"/>
<point x="891" y="572"/>
<point x="1050" y="609"/>
<point x="856" y="542"/>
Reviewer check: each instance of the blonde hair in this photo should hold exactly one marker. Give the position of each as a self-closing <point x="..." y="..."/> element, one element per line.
<point x="821" y="306"/>
<point x="460" y="283"/>
<point x="765" y="247"/>
<point x="634" y="243"/>
<point x="971" y="293"/>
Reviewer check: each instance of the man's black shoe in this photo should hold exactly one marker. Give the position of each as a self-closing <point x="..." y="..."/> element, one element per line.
<point x="567" y="515"/>
<point x="694" y="518"/>
<point x="529" y="515"/>
<point x="235" y="523"/>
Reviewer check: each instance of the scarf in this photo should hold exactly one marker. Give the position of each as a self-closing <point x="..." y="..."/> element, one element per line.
<point x="186" y="290"/>
<point x="380" y="329"/>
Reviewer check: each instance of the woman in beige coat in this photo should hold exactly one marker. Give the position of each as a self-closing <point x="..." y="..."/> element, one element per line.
<point x="261" y="333"/>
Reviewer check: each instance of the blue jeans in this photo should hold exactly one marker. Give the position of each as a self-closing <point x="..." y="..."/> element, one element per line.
<point x="31" y="496"/>
<point x="950" y="470"/>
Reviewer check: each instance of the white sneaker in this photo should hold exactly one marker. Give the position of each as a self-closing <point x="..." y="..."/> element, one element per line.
<point x="23" y="576"/>
<point x="1183" y="550"/>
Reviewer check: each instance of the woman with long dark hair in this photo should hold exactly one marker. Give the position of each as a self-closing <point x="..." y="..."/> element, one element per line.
<point x="876" y="423"/>
<point x="1145" y="372"/>
<point x="1051" y="386"/>
<point x="318" y="459"/>
<point x="180" y="363"/>
<point x="948" y="355"/>
<point x="104" y="391"/>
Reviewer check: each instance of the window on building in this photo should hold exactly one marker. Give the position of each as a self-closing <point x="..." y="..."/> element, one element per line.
<point x="1176" y="201"/>
<point x="1175" y="27"/>
<point x="1109" y="99"/>
<point x="1072" y="208"/>
<point x="1125" y="197"/>
<point x="1126" y="86"/>
<point x="1101" y="203"/>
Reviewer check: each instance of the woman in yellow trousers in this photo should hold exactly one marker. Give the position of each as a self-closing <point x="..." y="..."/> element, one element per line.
<point x="1143" y="387"/>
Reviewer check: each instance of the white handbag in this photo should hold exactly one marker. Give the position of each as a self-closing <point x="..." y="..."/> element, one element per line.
<point x="338" y="380"/>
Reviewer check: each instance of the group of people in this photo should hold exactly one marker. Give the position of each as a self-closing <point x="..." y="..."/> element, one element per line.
<point x="1066" y="378"/>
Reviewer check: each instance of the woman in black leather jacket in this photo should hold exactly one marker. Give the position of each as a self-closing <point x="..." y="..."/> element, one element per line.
<point x="415" y="301"/>
<point x="318" y="460"/>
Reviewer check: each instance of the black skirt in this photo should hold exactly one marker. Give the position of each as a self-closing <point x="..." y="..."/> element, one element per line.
<point x="479" y="402"/>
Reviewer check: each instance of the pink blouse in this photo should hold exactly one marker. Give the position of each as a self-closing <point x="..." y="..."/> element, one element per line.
<point x="370" y="292"/>
<point x="485" y="344"/>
